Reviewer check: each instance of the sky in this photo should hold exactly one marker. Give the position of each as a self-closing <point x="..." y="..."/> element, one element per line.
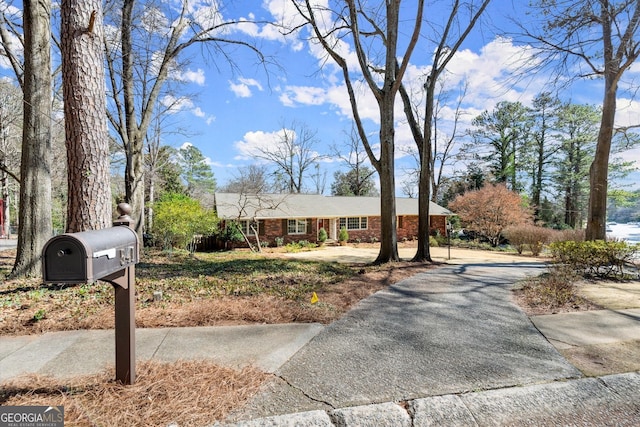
<point x="233" y="113"/>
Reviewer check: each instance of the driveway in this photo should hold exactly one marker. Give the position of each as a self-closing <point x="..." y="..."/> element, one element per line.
<point x="452" y="329"/>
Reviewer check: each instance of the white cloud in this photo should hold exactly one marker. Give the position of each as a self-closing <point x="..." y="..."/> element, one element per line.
<point x="305" y="95"/>
<point x="175" y="105"/>
<point x="255" y="141"/>
<point x="191" y="76"/>
<point x="242" y="89"/>
<point x="198" y="112"/>
<point x="628" y="112"/>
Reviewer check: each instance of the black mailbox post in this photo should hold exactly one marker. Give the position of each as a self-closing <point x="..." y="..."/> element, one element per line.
<point x="109" y="254"/>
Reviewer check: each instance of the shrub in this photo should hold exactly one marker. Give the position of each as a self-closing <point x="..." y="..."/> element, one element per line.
<point x="489" y="210"/>
<point x="279" y="241"/>
<point x="322" y="235"/>
<point x="232" y="233"/>
<point x="178" y="218"/>
<point x="529" y="235"/>
<point x="433" y="242"/>
<point x="573" y="235"/>
<point x="595" y="258"/>
<point x="343" y="236"/>
<point x="553" y="289"/>
<point x="298" y="246"/>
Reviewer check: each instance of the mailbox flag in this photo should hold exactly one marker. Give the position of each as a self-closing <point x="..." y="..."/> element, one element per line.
<point x="314" y="298"/>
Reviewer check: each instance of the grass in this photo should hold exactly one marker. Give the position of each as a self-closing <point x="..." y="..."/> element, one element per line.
<point x="238" y="287"/>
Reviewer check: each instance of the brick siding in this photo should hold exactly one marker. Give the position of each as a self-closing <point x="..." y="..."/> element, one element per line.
<point x="270" y="229"/>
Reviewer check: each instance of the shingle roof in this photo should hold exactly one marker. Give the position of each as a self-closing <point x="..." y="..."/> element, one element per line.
<point x="263" y="206"/>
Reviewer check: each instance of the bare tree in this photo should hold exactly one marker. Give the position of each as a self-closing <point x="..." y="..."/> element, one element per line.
<point x="9" y="36"/>
<point x="252" y="179"/>
<point x="250" y="205"/>
<point x="451" y="37"/>
<point x="10" y="137"/>
<point x="319" y="179"/>
<point x="443" y="144"/>
<point x="160" y="158"/>
<point x="293" y="154"/>
<point x="358" y="180"/>
<point x="134" y="100"/>
<point x="34" y="228"/>
<point x="89" y="196"/>
<point x="373" y="30"/>
<point x="598" y="38"/>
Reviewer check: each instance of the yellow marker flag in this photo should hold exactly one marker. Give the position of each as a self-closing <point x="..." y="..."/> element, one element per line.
<point x="314" y="298"/>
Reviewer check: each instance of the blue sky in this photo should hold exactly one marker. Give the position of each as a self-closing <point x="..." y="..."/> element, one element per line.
<point x="237" y="112"/>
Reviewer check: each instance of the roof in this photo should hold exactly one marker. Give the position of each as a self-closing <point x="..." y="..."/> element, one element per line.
<point x="264" y="206"/>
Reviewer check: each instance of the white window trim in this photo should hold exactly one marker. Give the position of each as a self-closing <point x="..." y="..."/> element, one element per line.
<point x="346" y="223"/>
<point x="246" y="229"/>
<point x="299" y="222"/>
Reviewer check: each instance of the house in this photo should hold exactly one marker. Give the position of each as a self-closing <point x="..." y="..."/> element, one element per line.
<point x="296" y="217"/>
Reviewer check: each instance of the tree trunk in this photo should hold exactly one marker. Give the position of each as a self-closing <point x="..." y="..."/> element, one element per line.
<point x="599" y="171"/>
<point x="134" y="141"/>
<point x="4" y="194"/>
<point x="134" y="183"/>
<point x="35" y="170"/>
<point x="389" y="236"/>
<point x="423" y="252"/>
<point x="89" y="205"/>
<point x="152" y="199"/>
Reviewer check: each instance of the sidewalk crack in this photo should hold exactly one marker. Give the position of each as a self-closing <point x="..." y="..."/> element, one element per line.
<point x="304" y="393"/>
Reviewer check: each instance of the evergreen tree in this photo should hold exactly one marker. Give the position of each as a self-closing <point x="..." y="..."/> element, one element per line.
<point x="195" y="171"/>
<point x="355" y="182"/>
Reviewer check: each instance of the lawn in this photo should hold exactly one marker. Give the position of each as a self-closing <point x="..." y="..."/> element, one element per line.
<point x="222" y="288"/>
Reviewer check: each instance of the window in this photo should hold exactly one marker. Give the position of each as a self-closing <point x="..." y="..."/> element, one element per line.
<point x="245" y="226"/>
<point x="297" y="226"/>
<point x="354" y="223"/>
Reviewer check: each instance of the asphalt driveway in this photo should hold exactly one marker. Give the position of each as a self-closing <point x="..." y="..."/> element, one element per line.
<point x="449" y="330"/>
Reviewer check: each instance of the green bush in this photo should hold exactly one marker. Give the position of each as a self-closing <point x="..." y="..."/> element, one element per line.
<point x="299" y="246"/>
<point x="232" y="232"/>
<point x="179" y="218"/>
<point x="343" y="235"/>
<point x="322" y="235"/>
<point x="595" y="258"/>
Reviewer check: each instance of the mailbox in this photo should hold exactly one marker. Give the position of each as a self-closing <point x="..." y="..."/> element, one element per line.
<point x="89" y="255"/>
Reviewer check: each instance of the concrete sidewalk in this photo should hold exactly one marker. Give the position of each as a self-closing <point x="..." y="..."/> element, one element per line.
<point x="71" y="353"/>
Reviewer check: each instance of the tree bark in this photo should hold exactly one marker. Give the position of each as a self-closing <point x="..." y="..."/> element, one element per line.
<point x="35" y="170"/>
<point x="389" y="236"/>
<point x="89" y="198"/>
<point x="599" y="171"/>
